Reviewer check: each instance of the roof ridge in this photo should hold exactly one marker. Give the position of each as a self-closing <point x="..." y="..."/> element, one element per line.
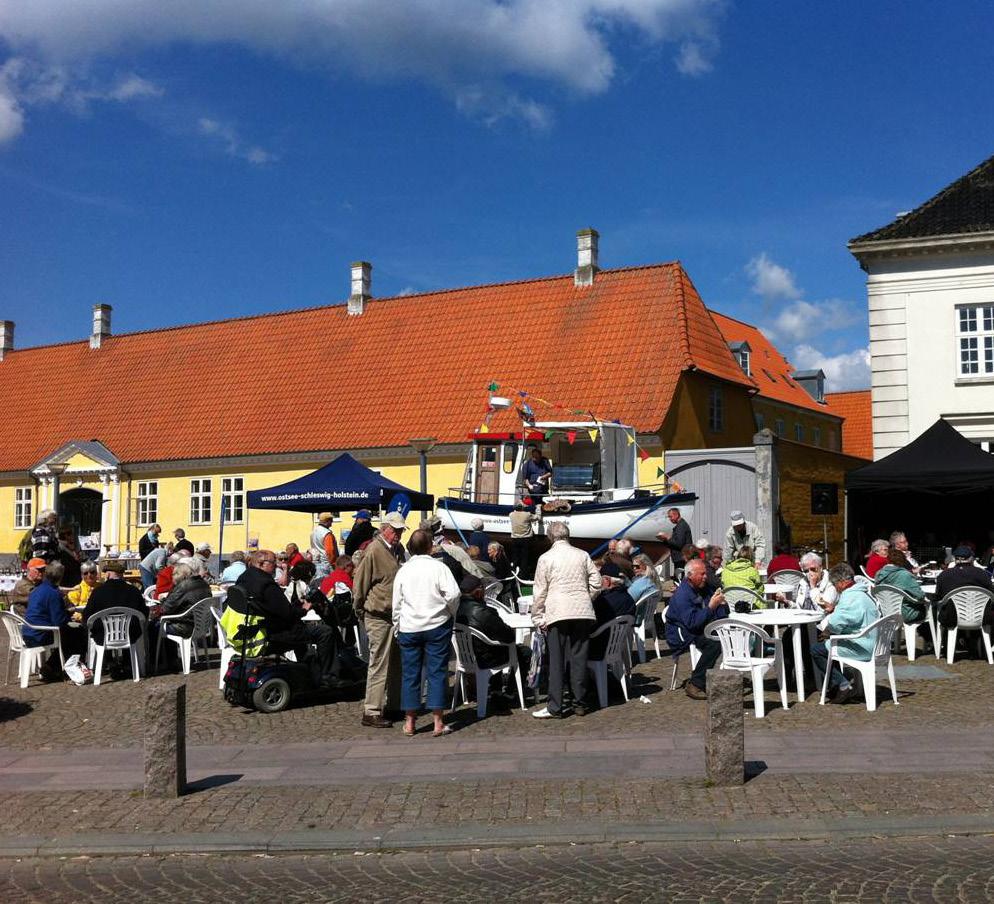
<point x="925" y="206"/>
<point x="341" y="304"/>
<point x="681" y="314"/>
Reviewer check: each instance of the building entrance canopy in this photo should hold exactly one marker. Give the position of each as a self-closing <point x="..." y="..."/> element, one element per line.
<point x="343" y="484"/>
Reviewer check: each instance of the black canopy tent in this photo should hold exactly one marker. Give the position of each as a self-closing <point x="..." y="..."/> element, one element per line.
<point x="343" y="484"/>
<point x="938" y="489"/>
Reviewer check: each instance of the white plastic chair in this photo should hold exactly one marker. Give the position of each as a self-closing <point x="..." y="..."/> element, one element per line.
<point x="889" y="600"/>
<point x="788" y="577"/>
<point x="645" y="608"/>
<point x="30" y="659"/>
<point x="521" y="582"/>
<point x="738" y="640"/>
<point x="202" y="621"/>
<point x="148" y="593"/>
<point x="884" y="629"/>
<point x="226" y="647"/>
<point x="695" y="655"/>
<point x="117" y="637"/>
<point x="617" y="656"/>
<point x="735" y="595"/>
<point x="970" y="603"/>
<point x="462" y="644"/>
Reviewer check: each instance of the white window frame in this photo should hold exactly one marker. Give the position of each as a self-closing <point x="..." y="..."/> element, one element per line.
<point x="229" y="493"/>
<point x="201" y="500"/>
<point x="798" y="432"/>
<point x="23" y="507"/>
<point x="144" y="496"/>
<point x="716" y="410"/>
<point x="975" y="341"/>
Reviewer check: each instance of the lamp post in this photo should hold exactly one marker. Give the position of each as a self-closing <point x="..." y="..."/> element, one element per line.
<point x="423" y="445"/>
<point x="56" y="470"/>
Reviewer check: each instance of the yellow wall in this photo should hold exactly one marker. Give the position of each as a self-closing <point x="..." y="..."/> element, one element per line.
<point x="831" y="431"/>
<point x="686" y="424"/>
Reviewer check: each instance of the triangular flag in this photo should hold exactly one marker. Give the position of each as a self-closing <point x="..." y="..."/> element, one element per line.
<point x="660" y="473"/>
<point x="484" y="428"/>
<point x="644" y="455"/>
<point x="493" y="387"/>
<point x="631" y="439"/>
<point x="593" y="435"/>
<point x="549" y="434"/>
<point x="571" y="436"/>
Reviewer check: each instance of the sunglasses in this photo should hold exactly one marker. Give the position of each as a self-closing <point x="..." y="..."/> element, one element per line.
<point x="812" y="569"/>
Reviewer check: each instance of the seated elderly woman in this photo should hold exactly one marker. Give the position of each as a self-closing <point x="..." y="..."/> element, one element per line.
<point x="79" y="595"/>
<point x="646" y="578"/>
<point x="189" y="587"/>
<point x="741" y="572"/>
<point x="895" y="574"/>
<point x="815" y="591"/>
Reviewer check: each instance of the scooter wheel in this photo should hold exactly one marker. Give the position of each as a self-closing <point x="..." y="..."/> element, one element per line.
<point x="272" y="697"/>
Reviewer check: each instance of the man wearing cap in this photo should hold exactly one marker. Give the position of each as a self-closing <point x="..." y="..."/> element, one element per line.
<point x="744" y="533"/>
<point x="373" y="601"/>
<point x="114" y="591"/>
<point x="22" y="589"/>
<point x="612" y="601"/>
<point x="324" y="546"/>
<point x="963" y="573"/>
<point x="362" y="531"/>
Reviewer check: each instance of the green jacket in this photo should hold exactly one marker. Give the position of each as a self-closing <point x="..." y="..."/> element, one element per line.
<point x="742" y="573"/>
<point x="902" y="579"/>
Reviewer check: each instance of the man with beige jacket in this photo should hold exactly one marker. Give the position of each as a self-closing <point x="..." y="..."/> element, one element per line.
<point x="373" y="599"/>
<point x="566" y="582"/>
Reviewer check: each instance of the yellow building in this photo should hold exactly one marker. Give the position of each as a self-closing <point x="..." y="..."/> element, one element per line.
<point x="177" y="421"/>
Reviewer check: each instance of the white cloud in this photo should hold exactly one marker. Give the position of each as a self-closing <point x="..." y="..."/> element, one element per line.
<point x="771" y="281"/>
<point x="494" y="105"/>
<point x="801" y="319"/>
<point x="11" y="116"/>
<point x="452" y="44"/>
<point x="227" y="136"/>
<point x="134" y="86"/>
<point x="849" y="370"/>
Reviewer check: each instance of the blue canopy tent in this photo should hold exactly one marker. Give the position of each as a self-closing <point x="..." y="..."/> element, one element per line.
<point x="341" y="485"/>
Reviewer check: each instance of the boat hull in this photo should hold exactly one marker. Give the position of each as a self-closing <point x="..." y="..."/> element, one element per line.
<point x="638" y="519"/>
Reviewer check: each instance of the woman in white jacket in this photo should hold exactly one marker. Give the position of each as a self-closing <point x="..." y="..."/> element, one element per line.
<point x="566" y="581"/>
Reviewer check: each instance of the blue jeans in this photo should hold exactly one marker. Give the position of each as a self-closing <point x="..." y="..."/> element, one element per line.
<point x="148" y="579"/>
<point x="819" y="659"/>
<point x="430" y="648"/>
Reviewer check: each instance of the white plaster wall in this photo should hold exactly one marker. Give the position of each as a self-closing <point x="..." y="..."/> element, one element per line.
<point x="914" y="349"/>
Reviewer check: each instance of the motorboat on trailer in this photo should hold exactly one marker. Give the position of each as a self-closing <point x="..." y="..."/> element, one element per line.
<point x="594" y="486"/>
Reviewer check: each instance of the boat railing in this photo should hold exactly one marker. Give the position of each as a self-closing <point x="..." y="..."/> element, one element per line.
<point x="464" y="494"/>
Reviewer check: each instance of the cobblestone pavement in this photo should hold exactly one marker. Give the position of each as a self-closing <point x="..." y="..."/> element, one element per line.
<point x="920" y="870"/>
<point x="61" y="715"/>
<point x="466" y="802"/>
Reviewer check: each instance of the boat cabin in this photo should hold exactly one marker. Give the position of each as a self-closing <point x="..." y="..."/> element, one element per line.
<point x="584" y="469"/>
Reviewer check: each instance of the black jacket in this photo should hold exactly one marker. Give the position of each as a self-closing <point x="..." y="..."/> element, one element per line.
<point x="278" y="613"/>
<point x="484" y="618"/>
<point x="184" y="545"/>
<point x="187" y="592"/>
<point x="146" y="545"/>
<point x="110" y="594"/>
<point x="608" y="605"/>
<point x="680" y="536"/>
<point x="359" y="534"/>
<point x="961" y="576"/>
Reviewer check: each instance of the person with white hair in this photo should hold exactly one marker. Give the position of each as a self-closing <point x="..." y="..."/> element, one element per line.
<point x="478" y="537"/>
<point x="815" y="591"/>
<point x="164" y="579"/>
<point x="877" y="557"/>
<point x="188" y="588"/>
<point x="566" y="582"/>
<point x="203" y="553"/>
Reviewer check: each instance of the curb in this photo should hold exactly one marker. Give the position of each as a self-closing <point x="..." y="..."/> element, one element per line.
<point x="471" y="836"/>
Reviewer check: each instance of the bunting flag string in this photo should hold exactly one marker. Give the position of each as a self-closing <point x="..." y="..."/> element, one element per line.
<point x="593" y="435"/>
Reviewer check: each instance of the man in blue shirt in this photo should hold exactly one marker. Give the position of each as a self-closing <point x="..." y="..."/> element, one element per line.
<point x="538" y="475"/>
<point x="235" y="569"/>
<point x="691" y="609"/>
<point x="46" y="607"/>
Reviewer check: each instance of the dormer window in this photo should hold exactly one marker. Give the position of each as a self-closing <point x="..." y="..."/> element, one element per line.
<point x="742" y="354"/>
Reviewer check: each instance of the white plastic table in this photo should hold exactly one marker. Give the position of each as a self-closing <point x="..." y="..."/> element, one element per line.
<point x="522" y="624"/>
<point x="786" y="618"/>
<point x="8" y="581"/>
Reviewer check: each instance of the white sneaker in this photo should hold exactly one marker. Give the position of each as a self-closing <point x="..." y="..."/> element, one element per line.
<point x="544" y="713"/>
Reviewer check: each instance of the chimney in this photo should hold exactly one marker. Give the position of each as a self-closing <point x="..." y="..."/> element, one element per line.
<point x="361" y="279"/>
<point x="586" y="257"/>
<point x="6" y="337"/>
<point x="101" y="324"/>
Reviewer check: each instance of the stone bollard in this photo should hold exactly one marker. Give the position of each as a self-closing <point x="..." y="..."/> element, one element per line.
<point x="165" y="741"/>
<point x="724" y="736"/>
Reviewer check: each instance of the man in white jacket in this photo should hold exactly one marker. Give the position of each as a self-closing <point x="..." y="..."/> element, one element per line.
<point x="566" y="582"/>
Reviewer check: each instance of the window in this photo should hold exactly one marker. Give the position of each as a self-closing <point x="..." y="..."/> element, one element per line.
<point x="760" y="421"/>
<point x="22" y="507"/>
<point x="743" y="356"/>
<point x="799" y="432"/>
<point x="200" y="500"/>
<point x="148" y="502"/>
<point x="780" y="427"/>
<point x="510" y="457"/>
<point x="816" y="435"/>
<point x="975" y="335"/>
<point x="716" y="410"/>
<point x="233" y="499"/>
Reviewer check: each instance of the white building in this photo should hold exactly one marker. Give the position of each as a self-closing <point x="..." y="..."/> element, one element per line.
<point x="931" y="298"/>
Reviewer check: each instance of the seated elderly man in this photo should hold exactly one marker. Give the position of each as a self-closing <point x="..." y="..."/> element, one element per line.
<point x="46" y="608"/>
<point x="851" y="613"/>
<point x="899" y="541"/>
<point x="114" y="592"/>
<point x="22" y="589"/>
<point x="963" y="573"/>
<point x="478" y="537"/>
<point x="612" y="601"/>
<point x="691" y="609"/>
<point x="621" y="556"/>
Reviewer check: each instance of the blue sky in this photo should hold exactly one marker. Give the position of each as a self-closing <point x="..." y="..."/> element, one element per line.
<point x="195" y="160"/>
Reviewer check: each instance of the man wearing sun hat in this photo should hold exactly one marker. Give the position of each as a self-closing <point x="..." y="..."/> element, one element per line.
<point x="373" y="600"/>
<point x="744" y="533"/>
<point x="324" y="546"/>
<point x="362" y="531"/>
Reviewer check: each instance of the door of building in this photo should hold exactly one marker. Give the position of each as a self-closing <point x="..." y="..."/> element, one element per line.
<point x="82" y="509"/>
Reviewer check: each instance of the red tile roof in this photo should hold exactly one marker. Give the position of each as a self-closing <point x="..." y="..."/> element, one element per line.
<point x="416" y="365"/>
<point x="770" y="370"/>
<point x="857" y="430"/>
